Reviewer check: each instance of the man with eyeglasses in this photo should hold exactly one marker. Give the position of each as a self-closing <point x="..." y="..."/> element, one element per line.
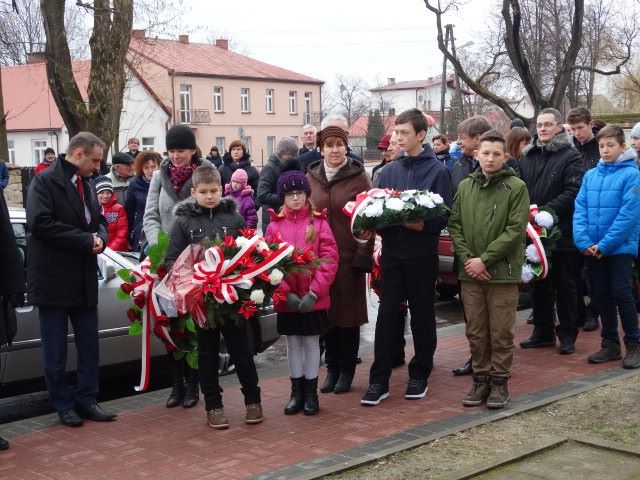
<point x="552" y="170"/>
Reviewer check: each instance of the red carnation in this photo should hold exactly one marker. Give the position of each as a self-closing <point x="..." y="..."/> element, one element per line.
<point x="277" y="238"/>
<point x="229" y="241"/>
<point x="132" y="314"/>
<point x="162" y="320"/>
<point x="278" y="296"/>
<point x="162" y="271"/>
<point x="170" y="348"/>
<point x="248" y="309"/>
<point x="264" y="276"/>
<point x="248" y="232"/>
<point x="179" y="334"/>
<point x="126" y="288"/>
<point x="139" y="299"/>
<point x="538" y="229"/>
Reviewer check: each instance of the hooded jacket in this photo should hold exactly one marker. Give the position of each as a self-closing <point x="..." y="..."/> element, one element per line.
<point x="608" y="207"/>
<point x="488" y="220"/>
<point x="246" y="205"/>
<point x="589" y="151"/>
<point x="195" y="223"/>
<point x="117" y="225"/>
<point x="422" y="172"/>
<point x="229" y="166"/>
<point x="292" y="226"/>
<point x="553" y="173"/>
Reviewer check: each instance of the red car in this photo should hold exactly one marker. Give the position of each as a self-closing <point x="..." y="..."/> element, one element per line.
<point x="447" y="286"/>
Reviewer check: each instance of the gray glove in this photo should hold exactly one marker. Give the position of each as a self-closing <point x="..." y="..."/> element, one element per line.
<point x="293" y="301"/>
<point x="307" y="302"/>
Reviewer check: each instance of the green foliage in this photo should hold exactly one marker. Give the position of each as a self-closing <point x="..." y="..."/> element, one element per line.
<point x="192" y="359"/>
<point x="179" y="354"/>
<point x="125" y="275"/>
<point x="375" y="129"/>
<point x="189" y="325"/>
<point x="120" y="295"/>
<point x="135" y="329"/>
<point x="158" y="252"/>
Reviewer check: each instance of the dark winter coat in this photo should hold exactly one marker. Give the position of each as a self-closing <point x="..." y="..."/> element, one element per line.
<point x="11" y="275"/>
<point x="135" y="204"/>
<point x="421" y="172"/>
<point x="348" y="292"/>
<point x="62" y="271"/>
<point x="216" y="160"/>
<point x="229" y="166"/>
<point x="589" y="151"/>
<point x="246" y="204"/>
<point x="446" y="159"/>
<point x="462" y="167"/>
<point x="195" y="223"/>
<point x="553" y="174"/>
<point x="305" y="160"/>
<point x="4" y="175"/>
<point x="266" y="196"/>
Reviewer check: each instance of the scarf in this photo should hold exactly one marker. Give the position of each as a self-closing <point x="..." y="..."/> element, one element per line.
<point x="179" y="175"/>
<point x="330" y="172"/>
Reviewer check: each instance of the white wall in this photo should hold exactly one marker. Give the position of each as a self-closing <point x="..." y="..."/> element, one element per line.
<point x="405" y="99"/>
<point x="23" y="144"/>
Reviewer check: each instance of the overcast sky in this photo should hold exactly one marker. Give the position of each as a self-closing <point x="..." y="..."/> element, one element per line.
<point x="371" y="38"/>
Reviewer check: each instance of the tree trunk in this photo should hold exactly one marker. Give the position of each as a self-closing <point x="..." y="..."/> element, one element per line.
<point x="4" y="148"/>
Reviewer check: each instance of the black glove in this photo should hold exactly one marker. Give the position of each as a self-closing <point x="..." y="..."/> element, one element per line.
<point x="307" y="302"/>
<point x="293" y="301"/>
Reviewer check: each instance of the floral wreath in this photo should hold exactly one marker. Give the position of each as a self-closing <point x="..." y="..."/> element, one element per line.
<point x="542" y="235"/>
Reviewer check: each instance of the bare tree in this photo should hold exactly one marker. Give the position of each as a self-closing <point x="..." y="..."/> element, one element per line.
<point x="112" y="22"/>
<point x="352" y="97"/>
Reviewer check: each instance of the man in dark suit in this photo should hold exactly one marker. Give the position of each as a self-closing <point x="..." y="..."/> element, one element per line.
<point x="66" y="232"/>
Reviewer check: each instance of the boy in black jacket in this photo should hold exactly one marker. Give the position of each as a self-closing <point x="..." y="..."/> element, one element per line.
<point x="208" y="216"/>
<point x="409" y="266"/>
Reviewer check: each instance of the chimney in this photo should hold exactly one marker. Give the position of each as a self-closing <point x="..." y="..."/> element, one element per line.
<point x="183" y="39"/>
<point x="391" y="81"/>
<point x="222" y="43"/>
<point x="35" y="57"/>
<point x="140" y="34"/>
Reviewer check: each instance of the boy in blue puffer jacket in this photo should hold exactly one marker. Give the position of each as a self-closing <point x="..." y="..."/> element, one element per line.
<point x="606" y="229"/>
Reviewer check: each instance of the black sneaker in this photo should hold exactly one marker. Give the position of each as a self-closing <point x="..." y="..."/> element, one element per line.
<point x="416" y="388"/>
<point x="375" y="394"/>
<point x="567" y="345"/>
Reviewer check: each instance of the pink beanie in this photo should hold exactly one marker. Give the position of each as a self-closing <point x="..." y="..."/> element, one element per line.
<point x="240" y="176"/>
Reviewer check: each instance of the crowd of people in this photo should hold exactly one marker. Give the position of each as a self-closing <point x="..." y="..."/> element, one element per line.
<point x="584" y="173"/>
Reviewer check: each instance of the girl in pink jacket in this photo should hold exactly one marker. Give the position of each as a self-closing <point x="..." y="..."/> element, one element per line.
<point x="303" y="316"/>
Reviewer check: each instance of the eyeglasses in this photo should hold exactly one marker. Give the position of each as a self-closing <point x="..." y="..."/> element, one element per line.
<point x="294" y="194"/>
<point x="545" y="125"/>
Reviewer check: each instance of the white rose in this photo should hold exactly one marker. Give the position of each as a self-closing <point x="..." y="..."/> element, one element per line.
<point x="411" y="192"/>
<point x="425" y="201"/>
<point x="394" y="204"/>
<point x="544" y="219"/>
<point x="275" y="277"/>
<point x="527" y="274"/>
<point x="373" y="210"/>
<point x="257" y="296"/>
<point x="436" y="198"/>
<point x="241" y="241"/>
<point x="406" y="196"/>
<point x="532" y="254"/>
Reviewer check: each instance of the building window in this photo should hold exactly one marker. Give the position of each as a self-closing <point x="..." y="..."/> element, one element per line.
<point x="247" y="143"/>
<point x="268" y="100"/>
<point x="39" y="146"/>
<point x="12" y="151"/>
<point x="185" y="103"/>
<point x="293" y="101"/>
<point x="307" y="107"/>
<point x="149" y="143"/>
<point x="220" y="145"/>
<point x="244" y="100"/>
<point x="217" y="99"/>
<point x="271" y="145"/>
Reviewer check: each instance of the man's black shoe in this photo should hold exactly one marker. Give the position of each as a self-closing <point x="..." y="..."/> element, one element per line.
<point x="590" y="323"/>
<point x="70" y="418"/>
<point x="538" y="342"/>
<point x="4" y="444"/>
<point x="95" y="413"/>
<point x="567" y="345"/>
<point x="416" y="388"/>
<point x="375" y="394"/>
<point x="466" y="369"/>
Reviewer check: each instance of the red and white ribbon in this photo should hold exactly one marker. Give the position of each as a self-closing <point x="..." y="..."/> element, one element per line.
<point x="144" y="284"/>
<point x="537" y="242"/>
<point x="357" y="206"/>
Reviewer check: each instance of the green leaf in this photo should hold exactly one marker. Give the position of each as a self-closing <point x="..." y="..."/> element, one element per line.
<point x="537" y="269"/>
<point x="135" y="329"/>
<point x="178" y="354"/>
<point x="192" y="359"/>
<point x="190" y="325"/>
<point x="124" y="274"/>
<point x="122" y="295"/>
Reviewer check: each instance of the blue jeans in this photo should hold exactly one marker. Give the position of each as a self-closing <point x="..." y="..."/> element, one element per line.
<point x="53" y="329"/>
<point x="612" y="277"/>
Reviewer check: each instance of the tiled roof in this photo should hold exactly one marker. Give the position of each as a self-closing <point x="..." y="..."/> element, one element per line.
<point x="28" y="100"/>
<point x="210" y="60"/>
<point x="360" y="127"/>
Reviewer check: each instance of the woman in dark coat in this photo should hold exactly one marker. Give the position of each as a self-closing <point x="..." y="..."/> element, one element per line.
<point x="238" y="157"/>
<point x="336" y="180"/>
<point x="144" y="165"/>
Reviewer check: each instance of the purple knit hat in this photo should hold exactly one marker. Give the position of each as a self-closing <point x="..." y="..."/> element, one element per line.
<point x="292" y="180"/>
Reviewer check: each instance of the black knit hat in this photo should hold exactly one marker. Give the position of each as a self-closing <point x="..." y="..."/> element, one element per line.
<point x="292" y="180"/>
<point x="180" y="136"/>
<point x="121" y="158"/>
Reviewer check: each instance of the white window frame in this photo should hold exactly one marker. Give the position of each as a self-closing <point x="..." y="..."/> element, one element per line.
<point x="218" y="105"/>
<point x="247" y="142"/>
<point x="271" y="145"/>
<point x="12" y="151"/>
<point x="148" y="143"/>
<point x="293" y="102"/>
<point x="268" y="100"/>
<point x="220" y="143"/>
<point x="185" y="103"/>
<point x="245" y="101"/>
<point x="38" y="147"/>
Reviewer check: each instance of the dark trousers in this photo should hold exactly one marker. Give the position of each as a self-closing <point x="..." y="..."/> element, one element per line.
<point x="342" y="345"/>
<point x="614" y="288"/>
<point x="412" y="279"/>
<point x="400" y="341"/>
<point x="235" y="338"/>
<point x="584" y="287"/>
<point x="557" y="289"/>
<point x="54" y="327"/>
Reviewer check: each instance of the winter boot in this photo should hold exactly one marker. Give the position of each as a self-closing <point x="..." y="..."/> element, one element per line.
<point x="330" y="382"/>
<point x="311" y="405"/>
<point x="466" y="369"/>
<point x="479" y="391"/>
<point x="177" y="389"/>
<point x="295" y="403"/>
<point x="499" y="395"/>
<point x="343" y="385"/>
<point x="609" y="350"/>
<point x="632" y="357"/>
<point x="192" y="392"/>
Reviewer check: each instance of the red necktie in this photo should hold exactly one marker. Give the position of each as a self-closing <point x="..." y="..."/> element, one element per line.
<point x="80" y="187"/>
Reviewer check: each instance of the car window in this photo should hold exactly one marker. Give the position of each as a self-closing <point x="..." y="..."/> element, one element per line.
<point x="20" y="232"/>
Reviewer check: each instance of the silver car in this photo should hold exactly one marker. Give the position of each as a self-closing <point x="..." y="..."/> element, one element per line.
<point x="23" y="359"/>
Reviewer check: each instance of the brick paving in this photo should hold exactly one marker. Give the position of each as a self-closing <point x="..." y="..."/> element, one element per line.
<point x="150" y="441"/>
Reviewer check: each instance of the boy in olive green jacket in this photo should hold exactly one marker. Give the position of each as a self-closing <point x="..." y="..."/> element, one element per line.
<point x="487" y="224"/>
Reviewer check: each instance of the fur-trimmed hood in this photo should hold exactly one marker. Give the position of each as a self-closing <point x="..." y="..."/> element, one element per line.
<point x="559" y="142"/>
<point x="190" y="208"/>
